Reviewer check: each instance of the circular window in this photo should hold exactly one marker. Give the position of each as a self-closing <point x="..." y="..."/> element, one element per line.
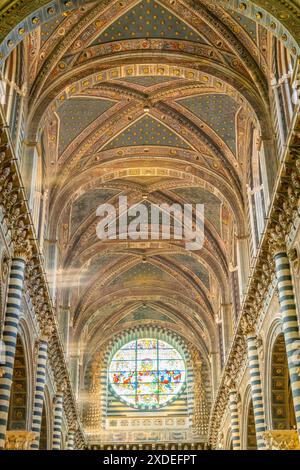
<point x="147" y="373"/>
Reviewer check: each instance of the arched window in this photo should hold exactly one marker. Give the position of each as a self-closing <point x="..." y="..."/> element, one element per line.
<point x="283" y="65"/>
<point x="147" y="373"/>
<point x="13" y="100"/>
<point x="256" y="192"/>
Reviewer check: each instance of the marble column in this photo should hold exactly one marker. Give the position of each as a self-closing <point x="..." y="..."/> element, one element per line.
<point x="10" y="331"/>
<point x="235" y="421"/>
<point x="40" y="381"/>
<point x="71" y="439"/>
<point x="256" y="385"/>
<point x="57" y="421"/>
<point x="290" y="324"/>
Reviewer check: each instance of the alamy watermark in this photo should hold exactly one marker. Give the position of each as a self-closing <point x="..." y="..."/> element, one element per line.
<point x="152" y="222"/>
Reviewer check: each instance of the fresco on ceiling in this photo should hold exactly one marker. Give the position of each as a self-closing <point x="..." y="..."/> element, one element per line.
<point x="246" y="23"/>
<point x="87" y="204"/>
<point x="102" y="262"/>
<point x="148" y="206"/>
<point x="105" y="311"/>
<point x="143" y="273"/>
<point x="146" y="313"/>
<point x="48" y="29"/>
<point x="148" y="81"/>
<point x="194" y="266"/>
<point x="75" y="115"/>
<point x="147" y="131"/>
<point x="148" y="19"/>
<point x="212" y="205"/>
<point x="96" y="268"/>
<point x="218" y="111"/>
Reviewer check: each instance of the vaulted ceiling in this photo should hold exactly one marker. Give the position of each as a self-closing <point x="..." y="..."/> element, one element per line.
<point x="152" y="100"/>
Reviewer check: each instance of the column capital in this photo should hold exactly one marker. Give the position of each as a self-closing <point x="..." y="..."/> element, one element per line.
<point x="277" y="241"/>
<point x="235" y="399"/>
<point x="61" y="387"/>
<point x="230" y="385"/>
<point x="47" y="330"/>
<point x="23" y="253"/>
<point x="248" y="325"/>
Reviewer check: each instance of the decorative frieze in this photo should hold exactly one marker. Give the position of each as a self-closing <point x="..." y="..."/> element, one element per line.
<point x="19" y="440"/>
<point x="281" y="440"/>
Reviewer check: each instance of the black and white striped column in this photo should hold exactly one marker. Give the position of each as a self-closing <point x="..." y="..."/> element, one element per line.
<point x="290" y="326"/>
<point x="39" y="391"/>
<point x="71" y="439"/>
<point x="235" y="421"/>
<point x="57" y="421"/>
<point x="10" y="331"/>
<point x="256" y="389"/>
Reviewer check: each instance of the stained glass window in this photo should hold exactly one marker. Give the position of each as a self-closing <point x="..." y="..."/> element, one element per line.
<point x="147" y="373"/>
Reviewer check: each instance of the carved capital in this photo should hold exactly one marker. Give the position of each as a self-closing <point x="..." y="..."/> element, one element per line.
<point x="47" y="330"/>
<point x="248" y="326"/>
<point x="22" y="251"/>
<point x="62" y="386"/>
<point x="277" y="242"/>
<point x="230" y="385"/>
<point x="234" y="397"/>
